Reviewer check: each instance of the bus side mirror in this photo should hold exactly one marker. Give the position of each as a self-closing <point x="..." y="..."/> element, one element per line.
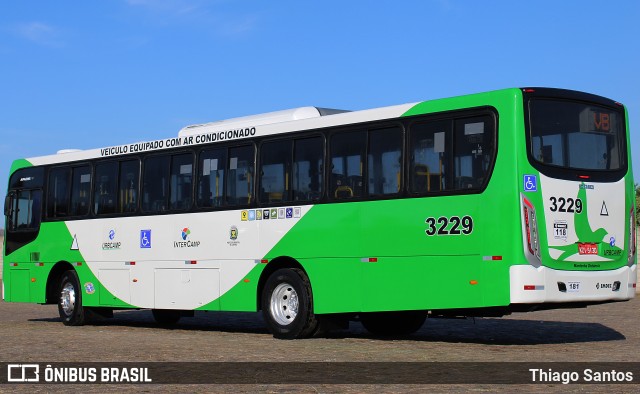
<point x="8" y="203"/>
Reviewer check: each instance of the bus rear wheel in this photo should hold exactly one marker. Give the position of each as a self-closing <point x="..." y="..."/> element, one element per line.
<point x="287" y="305"/>
<point x="70" y="306"/>
<point x="387" y="324"/>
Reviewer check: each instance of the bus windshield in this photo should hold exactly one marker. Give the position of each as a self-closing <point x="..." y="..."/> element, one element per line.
<point x="576" y="135"/>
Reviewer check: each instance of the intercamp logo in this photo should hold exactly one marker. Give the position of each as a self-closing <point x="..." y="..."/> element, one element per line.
<point x="186" y="242"/>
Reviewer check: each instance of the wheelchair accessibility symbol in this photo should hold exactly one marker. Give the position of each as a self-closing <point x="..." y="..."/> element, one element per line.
<point x="530" y="183"/>
<point x="145" y="239"/>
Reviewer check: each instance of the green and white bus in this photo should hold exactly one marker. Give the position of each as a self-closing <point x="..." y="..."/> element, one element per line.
<point x="479" y="205"/>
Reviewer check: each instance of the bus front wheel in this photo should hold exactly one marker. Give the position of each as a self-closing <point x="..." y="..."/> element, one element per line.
<point x="70" y="306"/>
<point x="387" y="324"/>
<point x="287" y="305"/>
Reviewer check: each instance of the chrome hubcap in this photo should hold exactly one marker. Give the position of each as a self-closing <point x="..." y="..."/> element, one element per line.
<point x="68" y="298"/>
<point x="284" y="304"/>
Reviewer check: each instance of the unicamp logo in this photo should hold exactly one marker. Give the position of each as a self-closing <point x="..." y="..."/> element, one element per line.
<point x="112" y="244"/>
<point x="186" y="241"/>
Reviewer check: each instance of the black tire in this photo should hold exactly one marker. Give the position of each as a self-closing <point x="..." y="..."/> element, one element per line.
<point x="388" y="324"/>
<point x="287" y="305"/>
<point x="70" y="306"/>
<point x="166" y="317"/>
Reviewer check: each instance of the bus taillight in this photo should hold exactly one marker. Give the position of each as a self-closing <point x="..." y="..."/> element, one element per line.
<point x="531" y="228"/>
<point x="632" y="237"/>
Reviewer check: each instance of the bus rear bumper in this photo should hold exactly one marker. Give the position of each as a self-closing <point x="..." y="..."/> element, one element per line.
<point x="531" y="285"/>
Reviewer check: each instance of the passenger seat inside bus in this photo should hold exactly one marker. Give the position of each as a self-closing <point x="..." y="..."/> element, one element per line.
<point x="340" y="188"/>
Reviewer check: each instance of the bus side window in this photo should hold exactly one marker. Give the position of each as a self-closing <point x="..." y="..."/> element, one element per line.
<point x="104" y="191"/>
<point x="275" y="171"/>
<point x="36" y="209"/>
<point x="430" y="149"/>
<point x="58" y="193"/>
<point x="128" y="186"/>
<point x="240" y="179"/>
<point x="26" y="211"/>
<point x="308" y="164"/>
<point x="80" y="191"/>
<point x="384" y="161"/>
<point x="155" y="184"/>
<point x="181" y="181"/>
<point x="347" y="162"/>
<point x="212" y="177"/>
<point x="473" y="151"/>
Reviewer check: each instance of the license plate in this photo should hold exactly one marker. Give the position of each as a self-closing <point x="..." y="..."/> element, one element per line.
<point x="587" y="248"/>
<point x="573" y="287"/>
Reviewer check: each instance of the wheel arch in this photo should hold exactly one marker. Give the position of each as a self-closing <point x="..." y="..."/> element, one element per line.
<point x="273" y="266"/>
<point x="53" y="280"/>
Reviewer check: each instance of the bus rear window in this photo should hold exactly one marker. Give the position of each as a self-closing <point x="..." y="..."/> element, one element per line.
<point x="576" y="135"/>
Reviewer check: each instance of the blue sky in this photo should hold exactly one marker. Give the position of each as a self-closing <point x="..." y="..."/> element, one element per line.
<point x="102" y="73"/>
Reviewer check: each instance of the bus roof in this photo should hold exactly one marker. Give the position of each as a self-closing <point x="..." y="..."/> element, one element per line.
<point x="273" y="123"/>
<point x="286" y="115"/>
<point x="268" y="124"/>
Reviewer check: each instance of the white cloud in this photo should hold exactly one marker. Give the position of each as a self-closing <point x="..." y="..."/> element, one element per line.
<point x="240" y="27"/>
<point x="167" y="7"/>
<point x="446" y="5"/>
<point x="39" y="33"/>
<point x="198" y="13"/>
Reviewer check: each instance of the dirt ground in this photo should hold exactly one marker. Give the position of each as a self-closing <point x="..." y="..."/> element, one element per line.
<point x="601" y="333"/>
